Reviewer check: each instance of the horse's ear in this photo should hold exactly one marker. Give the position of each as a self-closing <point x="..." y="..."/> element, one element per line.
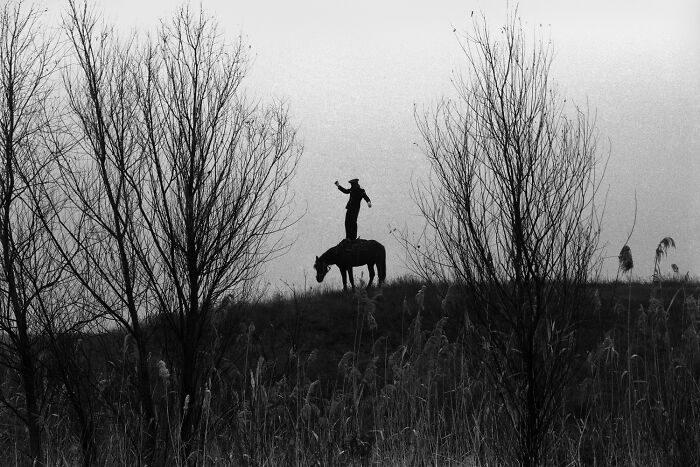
<point x="317" y="258"/>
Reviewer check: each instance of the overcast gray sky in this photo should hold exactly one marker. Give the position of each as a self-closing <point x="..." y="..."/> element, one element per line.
<point x="352" y="72"/>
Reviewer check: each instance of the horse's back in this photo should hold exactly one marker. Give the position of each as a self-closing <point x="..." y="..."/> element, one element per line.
<point x="361" y="252"/>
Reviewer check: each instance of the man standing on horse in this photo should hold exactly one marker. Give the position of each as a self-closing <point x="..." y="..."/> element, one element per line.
<point x="357" y="194"/>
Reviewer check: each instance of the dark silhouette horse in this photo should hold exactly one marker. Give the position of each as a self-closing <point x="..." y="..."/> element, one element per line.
<point x="349" y="254"/>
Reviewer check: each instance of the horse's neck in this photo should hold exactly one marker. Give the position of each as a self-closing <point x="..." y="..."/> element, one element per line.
<point x="330" y="256"/>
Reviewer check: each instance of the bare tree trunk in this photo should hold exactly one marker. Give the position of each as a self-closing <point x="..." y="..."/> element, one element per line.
<point x="31" y="396"/>
<point x="188" y="392"/>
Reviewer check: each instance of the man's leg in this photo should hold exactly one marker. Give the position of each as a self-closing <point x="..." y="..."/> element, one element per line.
<point x="352" y="232"/>
<point x="348" y="225"/>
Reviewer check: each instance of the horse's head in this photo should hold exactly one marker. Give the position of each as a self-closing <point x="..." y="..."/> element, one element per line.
<point x="321" y="269"/>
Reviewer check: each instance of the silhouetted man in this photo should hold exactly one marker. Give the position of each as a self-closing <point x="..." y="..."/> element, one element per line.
<point x="357" y="194"/>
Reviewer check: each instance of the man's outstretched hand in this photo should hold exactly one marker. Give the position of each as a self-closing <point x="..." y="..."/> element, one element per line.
<point x="336" y="183"/>
<point x="369" y="204"/>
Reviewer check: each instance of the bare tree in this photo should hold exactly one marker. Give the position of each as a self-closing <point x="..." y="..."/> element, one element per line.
<point x="511" y="210"/>
<point x="97" y="150"/>
<point x="28" y="271"/>
<point x="213" y="187"/>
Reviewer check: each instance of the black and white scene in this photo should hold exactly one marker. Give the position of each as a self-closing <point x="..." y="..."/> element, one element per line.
<point x="316" y="233"/>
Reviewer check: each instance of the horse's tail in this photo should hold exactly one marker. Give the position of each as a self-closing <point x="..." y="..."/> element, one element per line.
<point x="381" y="263"/>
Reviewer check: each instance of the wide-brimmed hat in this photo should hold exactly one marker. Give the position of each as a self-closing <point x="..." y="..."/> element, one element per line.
<point x="354" y="180"/>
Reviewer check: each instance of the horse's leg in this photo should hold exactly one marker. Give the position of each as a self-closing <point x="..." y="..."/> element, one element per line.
<point x="352" y="280"/>
<point x="381" y="272"/>
<point x="370" y="268"/>
<point x="345" y="280"/>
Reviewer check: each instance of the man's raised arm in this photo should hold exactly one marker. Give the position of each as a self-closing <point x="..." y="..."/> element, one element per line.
<point x="344" y="190"/>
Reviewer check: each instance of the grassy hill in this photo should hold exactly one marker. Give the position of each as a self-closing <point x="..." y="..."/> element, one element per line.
<point x="331" y="322"/>
<point x="392" y="365"/>
<point x="381" y="377"/>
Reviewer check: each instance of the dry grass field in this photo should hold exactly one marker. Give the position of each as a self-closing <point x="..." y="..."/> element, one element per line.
<point x="388" y="377"/>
